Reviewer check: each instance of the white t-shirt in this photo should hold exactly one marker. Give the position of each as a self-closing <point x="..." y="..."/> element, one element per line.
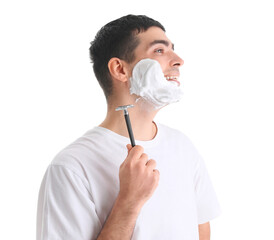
<point x="82" y="182"/>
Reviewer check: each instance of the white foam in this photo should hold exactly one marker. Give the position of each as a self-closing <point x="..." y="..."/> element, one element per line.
<point x="149" y="83"/>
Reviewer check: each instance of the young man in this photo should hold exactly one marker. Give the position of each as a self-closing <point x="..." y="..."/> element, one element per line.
<point x="100" y="187"/>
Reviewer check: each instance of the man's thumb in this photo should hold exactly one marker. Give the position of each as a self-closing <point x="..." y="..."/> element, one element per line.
<point x="129" y="147"/>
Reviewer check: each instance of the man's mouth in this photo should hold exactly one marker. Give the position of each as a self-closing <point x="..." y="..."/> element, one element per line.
<point x="173" y="79"/>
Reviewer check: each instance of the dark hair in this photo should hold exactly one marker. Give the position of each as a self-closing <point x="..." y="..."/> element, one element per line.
<point x="117" y="39"/>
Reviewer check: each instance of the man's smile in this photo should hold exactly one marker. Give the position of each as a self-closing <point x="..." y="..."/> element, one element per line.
<point x="174" y="78"/>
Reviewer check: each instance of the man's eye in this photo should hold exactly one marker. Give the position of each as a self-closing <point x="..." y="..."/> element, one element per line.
<point x="159" y="50"/>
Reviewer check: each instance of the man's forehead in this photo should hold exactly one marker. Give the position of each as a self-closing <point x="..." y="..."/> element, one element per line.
<point x="167" y="43"/>
<point x="153" y="36"/>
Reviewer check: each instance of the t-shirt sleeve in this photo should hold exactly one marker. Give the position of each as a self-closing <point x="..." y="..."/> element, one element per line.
<point x="65" y="207"/>
<point x="207" y="203"/>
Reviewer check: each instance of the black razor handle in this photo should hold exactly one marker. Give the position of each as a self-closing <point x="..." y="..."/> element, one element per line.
<point x="129" y="128"/>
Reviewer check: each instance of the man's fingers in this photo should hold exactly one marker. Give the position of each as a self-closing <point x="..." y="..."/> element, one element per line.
<point x="151" y="164"/>
<point x="137" y="153"/>
<point x="134" y="152"/>
<point x="156" y="174"/>
<point x="144" y="158"/>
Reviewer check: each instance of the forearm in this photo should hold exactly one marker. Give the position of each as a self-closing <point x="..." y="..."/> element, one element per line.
<point x="204" y="231"/>
<point x="120" y="223"/>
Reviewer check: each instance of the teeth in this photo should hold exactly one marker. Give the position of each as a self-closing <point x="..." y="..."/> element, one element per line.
<point x="171" y="77"/>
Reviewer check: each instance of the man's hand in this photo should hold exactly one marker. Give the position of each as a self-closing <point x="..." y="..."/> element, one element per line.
<point x="138" y="178"/>
<point x="138" y="181"/>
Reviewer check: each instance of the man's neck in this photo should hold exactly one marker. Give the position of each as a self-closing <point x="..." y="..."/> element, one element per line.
<point x="144" y="129"/>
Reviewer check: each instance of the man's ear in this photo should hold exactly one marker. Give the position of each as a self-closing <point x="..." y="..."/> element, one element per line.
<point x="118" y="69"/>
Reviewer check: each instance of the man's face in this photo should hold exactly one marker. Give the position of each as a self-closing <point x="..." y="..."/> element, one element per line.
<point x="154" y="44"/>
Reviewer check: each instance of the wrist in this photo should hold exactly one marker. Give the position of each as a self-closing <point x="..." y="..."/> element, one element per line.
<point x="128" y="206"/>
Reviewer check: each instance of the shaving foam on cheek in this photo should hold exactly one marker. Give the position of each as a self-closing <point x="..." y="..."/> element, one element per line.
<point x="148" y="82"/>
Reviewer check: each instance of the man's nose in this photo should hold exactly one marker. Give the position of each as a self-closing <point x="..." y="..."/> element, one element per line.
<point x="176" y="61"/>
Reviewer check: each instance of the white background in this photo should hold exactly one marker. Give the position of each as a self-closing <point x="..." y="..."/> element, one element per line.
<point x="49" y="97"/>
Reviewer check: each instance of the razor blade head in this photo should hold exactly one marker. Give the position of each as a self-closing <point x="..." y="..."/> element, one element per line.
<point x="125" y="107"/>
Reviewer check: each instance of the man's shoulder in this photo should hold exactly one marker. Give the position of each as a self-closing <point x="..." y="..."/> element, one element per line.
<point x="77" y="152"/>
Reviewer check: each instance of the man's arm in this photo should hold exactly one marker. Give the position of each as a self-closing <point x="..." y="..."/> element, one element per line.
<point x="204" y="231"/>
<point x="138" y="180"/>
<point x="120" y="223"/>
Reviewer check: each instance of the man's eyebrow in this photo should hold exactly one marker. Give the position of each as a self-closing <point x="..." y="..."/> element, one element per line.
<point x="165" y="42"/>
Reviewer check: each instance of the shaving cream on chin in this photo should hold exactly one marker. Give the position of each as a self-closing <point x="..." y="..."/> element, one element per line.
<point x="148" y="82"/>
